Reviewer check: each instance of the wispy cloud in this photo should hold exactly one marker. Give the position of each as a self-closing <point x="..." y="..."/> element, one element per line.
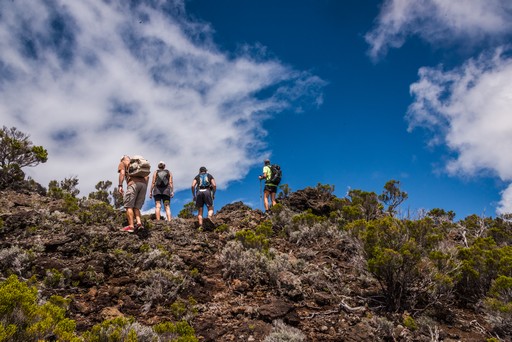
<point x="468" y="109"/>
<point x="92" y="80"/>
<point x="439" y="21"/>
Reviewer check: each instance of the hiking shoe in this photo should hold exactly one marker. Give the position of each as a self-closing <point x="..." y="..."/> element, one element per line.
<point x="128" y="229"/>
<point x="208" y="224"/>
<point x="139" y="226"/>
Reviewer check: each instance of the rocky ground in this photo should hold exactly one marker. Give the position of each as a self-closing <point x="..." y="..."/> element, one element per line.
<point x="309" y="282"/>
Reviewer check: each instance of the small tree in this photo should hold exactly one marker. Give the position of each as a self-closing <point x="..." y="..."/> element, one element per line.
<point x="363" y="205"/>
<point x="66" y="186"/>
<point x="16" y="152"/>
<point x="101" y="193"/>
<point x="188" y="210"/>
<point x="285" y="191"/>
<point x="117" y="198"/>
<point x="392" y="196"/>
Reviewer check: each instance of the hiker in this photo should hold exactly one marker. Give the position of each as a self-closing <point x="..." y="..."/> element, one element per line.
<point x="203" y="191"/>
<point x="133" y="198"/>
<point x="162" y="190"/>
<point x="270" y="188"/>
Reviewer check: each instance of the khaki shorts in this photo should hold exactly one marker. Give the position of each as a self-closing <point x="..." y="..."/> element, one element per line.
<point x="135" y="195"/>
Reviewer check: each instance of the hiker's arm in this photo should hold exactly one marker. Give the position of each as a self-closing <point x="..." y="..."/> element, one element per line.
<point x="264" y="175"/>
<point x="214" y="187"/>
<point x="121" y="179"/>
<point x="193" y="188"/>
<point x="171" y="184"/>
<point x="152" y="185"/>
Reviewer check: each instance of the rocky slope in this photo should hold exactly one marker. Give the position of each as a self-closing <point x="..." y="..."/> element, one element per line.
<point x="306" y="282"/>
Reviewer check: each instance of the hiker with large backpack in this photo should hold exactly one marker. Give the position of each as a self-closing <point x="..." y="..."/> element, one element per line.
<point x="203" y="191"/>
<point x="272" y="176"/>
<point x="135" y="171"/>
<point x="162" y="190"/>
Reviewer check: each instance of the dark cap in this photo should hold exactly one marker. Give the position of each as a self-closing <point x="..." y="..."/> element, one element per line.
<point x="267" y="161"/>
<point x="202" y="169"/>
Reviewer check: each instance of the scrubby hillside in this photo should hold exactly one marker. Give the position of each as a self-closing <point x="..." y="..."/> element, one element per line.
<point x="318" y="268"/>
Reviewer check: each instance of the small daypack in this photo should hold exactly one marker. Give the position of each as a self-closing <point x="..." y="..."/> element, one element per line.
<point x="139" y="167"/>
<point x="275" y="174"/>
<point x="204" y="181"/>
<point x="162" y="178"/>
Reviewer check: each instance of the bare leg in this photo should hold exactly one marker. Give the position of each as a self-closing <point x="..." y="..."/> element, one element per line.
<point x="129" y="216"/>
<point x="265" y="199"/>
<point x="210" y="212"/>
<point x="273" y="196"/>
<point x="158" y="207"/>
<point x="167" y="206"/>
<point x="137" y="215"/>
<point x="200" y="216"/>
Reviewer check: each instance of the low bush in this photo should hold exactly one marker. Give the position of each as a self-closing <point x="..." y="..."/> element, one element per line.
<point x="23" y="318"/>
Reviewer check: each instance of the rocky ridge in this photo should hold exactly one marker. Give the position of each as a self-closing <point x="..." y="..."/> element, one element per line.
<point x="311" y="282"/>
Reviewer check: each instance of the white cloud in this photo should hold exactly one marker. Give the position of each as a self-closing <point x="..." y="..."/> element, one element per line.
<point x="92" y="80"/>
<point x="469" y="110"/>
<point x="505" y="205"/>
<point x="439" y="21"/>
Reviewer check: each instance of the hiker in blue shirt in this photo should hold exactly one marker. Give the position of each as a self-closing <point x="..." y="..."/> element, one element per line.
<point x="203" y="191"/>
<point x="162" y="190"/>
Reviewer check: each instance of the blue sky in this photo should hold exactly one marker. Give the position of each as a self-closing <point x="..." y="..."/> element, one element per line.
<point x="348" y="93"/>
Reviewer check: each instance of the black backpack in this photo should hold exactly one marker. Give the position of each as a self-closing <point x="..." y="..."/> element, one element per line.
<point x="162" y="178"/>
<point x="275" y="174"/>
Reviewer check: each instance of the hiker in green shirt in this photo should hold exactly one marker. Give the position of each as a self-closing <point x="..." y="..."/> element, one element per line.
<point x="270" y="189"/>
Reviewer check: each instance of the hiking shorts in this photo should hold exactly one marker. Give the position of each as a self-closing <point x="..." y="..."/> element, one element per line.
<point x="161" y="197"/>
<point x="271" y="188"/>
<point x="204" y="196"/>
<point x="135" y="195"/>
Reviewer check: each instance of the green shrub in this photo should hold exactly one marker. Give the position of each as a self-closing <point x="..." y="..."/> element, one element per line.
<point x="19" y="308"/>
<point x="482" y="262"/>
<point x="409" y="322"/>
<point x="176" y="332"/>
<point x="277" y="208"/>
<point x="125" y="329"/>
<point x="70" y="203"/>
<point x="307" y="218"/>
<point x="498" y="304"/>
<point x="182" y="309"/>
<point x="251" y="239"/>
<point x="98" y="212"/>
<point x="398" y="255"/>
<point x="500" y="295"/>
<point x="113" y="330"/>
<point x="54" y="278"/>
<point x="265" y="229"/>
<point x="222" y="228"/>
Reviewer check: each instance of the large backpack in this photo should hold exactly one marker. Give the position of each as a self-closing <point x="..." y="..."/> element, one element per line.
<point x="204" y="181"/>
<point x="162" y="178"/>
<point x="139" y="167"/>
<point x="275" y="174"/>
